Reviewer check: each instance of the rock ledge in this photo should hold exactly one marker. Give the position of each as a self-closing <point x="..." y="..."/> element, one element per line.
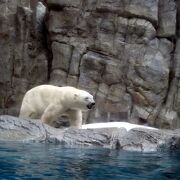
<point x="137" y="139"/>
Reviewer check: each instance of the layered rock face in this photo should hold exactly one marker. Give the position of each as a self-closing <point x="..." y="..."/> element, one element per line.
<point x="23" y="59"/>
<point x="126" y="53"/>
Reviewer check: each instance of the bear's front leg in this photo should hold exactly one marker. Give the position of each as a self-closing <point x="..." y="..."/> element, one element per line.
<point x="51" y="112"/>
<point x="75" y="118"/>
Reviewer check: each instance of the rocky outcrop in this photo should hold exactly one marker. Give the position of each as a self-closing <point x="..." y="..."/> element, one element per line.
<point x="23" y="57"/>
<point x="137" y="139"/>
<point x="126" y="53"/>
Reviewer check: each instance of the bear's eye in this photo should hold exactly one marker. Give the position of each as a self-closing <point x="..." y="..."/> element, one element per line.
<point x="86" y="98"/>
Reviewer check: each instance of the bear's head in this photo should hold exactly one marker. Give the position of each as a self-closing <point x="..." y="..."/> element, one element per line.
<point x="84" y="100"/>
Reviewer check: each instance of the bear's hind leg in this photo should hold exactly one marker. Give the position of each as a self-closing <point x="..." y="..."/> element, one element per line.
<point x="50" y="114"/>
<point x="75" y="117"/>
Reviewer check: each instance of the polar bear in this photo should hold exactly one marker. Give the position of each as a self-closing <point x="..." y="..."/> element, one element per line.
<point x="48" y="102"/>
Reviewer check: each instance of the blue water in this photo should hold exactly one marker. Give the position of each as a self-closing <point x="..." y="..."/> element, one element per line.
<point x="42" y="161"/>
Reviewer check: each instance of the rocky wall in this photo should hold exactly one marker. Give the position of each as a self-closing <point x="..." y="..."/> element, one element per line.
<point x="23" y="56"/>
<point x="126" y="53"/>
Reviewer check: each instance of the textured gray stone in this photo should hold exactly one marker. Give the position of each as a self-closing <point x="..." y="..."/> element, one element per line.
<point x="58" y="77"/>
<point x="175" y="97"/>
<point x="147" y="9"/>
<point x="61" y="56"/>
<point x="148" y="72"/>
<point x="63" y="22"/>
<point x="23" y="58"/>
<point x="167" y="18"/>
<point x="142" y="30"/>
<point x="143" y="140"/>
<point x="177" y="59"/>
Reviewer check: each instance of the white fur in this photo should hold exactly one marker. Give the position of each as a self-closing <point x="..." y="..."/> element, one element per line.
<point x="48" y="102"/>
<point x="126" y="125"/>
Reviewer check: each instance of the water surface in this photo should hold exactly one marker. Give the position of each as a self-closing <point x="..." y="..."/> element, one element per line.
<point x="47" y="161"/>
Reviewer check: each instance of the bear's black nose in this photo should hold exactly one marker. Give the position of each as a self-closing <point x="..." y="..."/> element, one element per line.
<point x="89" y="106"/>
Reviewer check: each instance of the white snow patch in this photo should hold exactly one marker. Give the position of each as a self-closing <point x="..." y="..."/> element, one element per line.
<point x="126" y="125"/>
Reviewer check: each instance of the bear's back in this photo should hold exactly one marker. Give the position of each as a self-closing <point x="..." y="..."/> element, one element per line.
<point x="49" y="93"/>
<point x="42" y="95"/>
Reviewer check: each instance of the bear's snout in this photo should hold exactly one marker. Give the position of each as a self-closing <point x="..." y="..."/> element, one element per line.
<point x="90" y="105"/>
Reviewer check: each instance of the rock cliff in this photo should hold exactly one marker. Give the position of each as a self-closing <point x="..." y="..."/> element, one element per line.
<point x="126" y="53"/>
